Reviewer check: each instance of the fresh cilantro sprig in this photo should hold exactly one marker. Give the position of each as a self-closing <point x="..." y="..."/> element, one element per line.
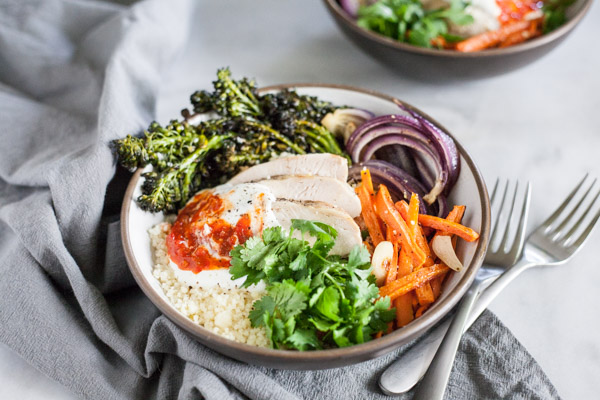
<point x="407" y="20"/>
<point x="314" y="300"/>
<point x="554" y="14"/>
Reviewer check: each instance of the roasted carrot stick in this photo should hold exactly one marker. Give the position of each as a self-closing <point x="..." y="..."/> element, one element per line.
<point x="421" y="310"/>
<point x="421" y="240"/>
<point x="405" y="265"/>
<point x="369" y="216"/>
<point x="436" y="285"/>
<point x="403" y="304"/>
<point x="522" y="36"/>
<point x="491" y="38"/>
<point x="385" y="209"/>
<point x="404" y="310"/>
<point x="365" y="176"/>
<point x="413" y="215"/>
<point x="446" y="226"/>
<point x="410" y="282"/>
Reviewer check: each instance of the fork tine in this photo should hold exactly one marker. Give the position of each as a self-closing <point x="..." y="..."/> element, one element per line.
<point x="520" y="237"/>
<point x="589" y="228"/>
<point x="584" y="235"/>
<point x="493" y="197"/>
<point x="564" y="223"/>
<point x="495" y="187"/>
<point x="510" y="213"/>
<point x="548" y="223"/>
<point x="499" y="213"/>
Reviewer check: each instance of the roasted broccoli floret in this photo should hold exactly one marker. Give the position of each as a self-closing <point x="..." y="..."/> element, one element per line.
<point x="282" y="109"/>
<point x="170" y="189"/>
<point x="230" y="98"/>
<point x="249" y="129"/>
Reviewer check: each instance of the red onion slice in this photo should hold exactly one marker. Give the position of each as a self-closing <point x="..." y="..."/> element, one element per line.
<point x="443" y="142"/>
<point x="400" y="184"/>
<point x="366" y="146"/>
<point x="405" y="120"/>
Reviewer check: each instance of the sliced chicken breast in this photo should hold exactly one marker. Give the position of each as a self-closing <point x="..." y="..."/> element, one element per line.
<point x="323" y="164"/>
<point x="315" y="188"/>
<point x="348" y="232"/>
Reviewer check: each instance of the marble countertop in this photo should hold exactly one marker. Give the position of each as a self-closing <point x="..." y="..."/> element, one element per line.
<point x="539" y="124"/>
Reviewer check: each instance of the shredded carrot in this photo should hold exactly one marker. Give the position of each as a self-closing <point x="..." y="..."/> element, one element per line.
<point x="384" y="207"/>
<point x="489" y="39"/>
<point x="447" y="226"/>
<point x="369" y="216"/>
<point x="410" y="282"/>
<point x="365" y="176"/>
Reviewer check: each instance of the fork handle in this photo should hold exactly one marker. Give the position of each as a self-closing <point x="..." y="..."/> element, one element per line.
<point x="433" y="385"/>
<point x="492" y="291"/>
<point x="404" y="373"/>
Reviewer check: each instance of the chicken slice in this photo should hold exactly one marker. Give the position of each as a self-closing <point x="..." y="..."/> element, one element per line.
<point x="315" y="188"/>
<point x="322" y="164"/>
<point x="348" y="232"/>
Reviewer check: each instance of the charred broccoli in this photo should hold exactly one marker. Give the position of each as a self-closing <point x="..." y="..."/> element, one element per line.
<point x="250" y="129"/>
<point x="230" y="98"/>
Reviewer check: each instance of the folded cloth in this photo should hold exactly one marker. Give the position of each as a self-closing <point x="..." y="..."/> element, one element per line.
<point x="75" y="75"/>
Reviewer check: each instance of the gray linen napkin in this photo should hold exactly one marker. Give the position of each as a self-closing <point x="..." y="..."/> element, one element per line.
<point x="73" y="76"/>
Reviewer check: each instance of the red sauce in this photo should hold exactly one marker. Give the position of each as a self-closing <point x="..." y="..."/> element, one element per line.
<point x="200" y="239"/>
<point x="515" y="10"/>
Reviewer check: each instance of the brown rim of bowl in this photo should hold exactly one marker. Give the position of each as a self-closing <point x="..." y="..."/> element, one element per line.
<point x="335" y="8"/>
<point x="360" y="351"/>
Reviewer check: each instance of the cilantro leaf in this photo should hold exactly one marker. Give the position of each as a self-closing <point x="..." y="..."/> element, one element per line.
<point x="382" y="314"/>
<point x="328" y="303"/>
<point x="359" y="257"/>
<point x="290" y="298"/>
<point x="260" y="309"/>
<point x="272" y="235"/>
<point x="303" y="339"/>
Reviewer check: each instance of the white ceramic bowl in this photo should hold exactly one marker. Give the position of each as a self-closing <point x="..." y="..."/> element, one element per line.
<point x="469" y="190"/>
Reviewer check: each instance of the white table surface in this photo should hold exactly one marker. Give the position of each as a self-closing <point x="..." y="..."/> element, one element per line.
<point x="541" y="123"/>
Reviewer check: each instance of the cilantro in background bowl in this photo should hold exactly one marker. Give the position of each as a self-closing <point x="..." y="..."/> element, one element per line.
<point x="407" y="21"/>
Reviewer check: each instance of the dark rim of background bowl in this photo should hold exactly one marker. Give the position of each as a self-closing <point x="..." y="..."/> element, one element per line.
<point x="357" y="352"/>
<point x="336" y="9"/>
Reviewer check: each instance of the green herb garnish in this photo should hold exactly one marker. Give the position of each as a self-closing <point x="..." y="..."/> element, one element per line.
<point x="554" y="14"/>
<point x="314" y="300"/>
<point x="407" y="20"/>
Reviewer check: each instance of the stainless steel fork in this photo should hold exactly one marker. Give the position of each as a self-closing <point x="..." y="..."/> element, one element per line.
<point x="554" y="242"/>
<point x="504" y="255"/>
<point x="410" y="367"/>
